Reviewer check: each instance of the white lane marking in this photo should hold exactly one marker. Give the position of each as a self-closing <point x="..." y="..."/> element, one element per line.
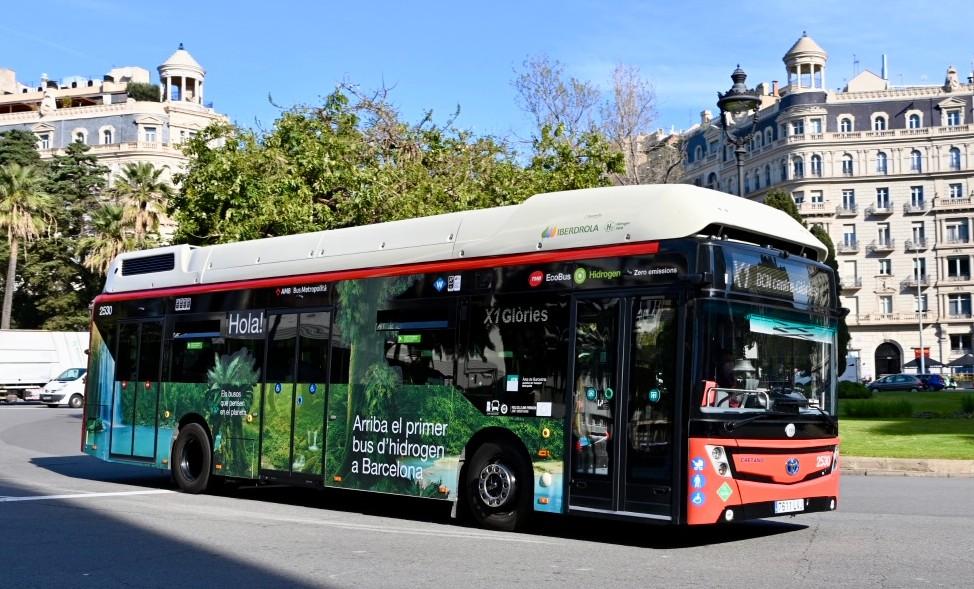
<point x="82" y="495"/>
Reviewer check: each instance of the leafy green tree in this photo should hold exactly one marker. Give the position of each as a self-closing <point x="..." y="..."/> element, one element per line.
<point x="143" y="195"/>
<point x="19" y="147"/>
<point x="143" y="92"/>
<point x="783" y="201"/>
<point x="107" y="239"/>
<point x="560" y="163"/>
<point x="57" y="287"/>
<point x="25" y="211"/>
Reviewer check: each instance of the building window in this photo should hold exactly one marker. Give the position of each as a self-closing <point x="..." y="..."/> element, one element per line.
<point x="916" y="196"/>
<point x="956" y="190"/>
<point x="768" y="136"/>
<point x="882" y="234"/>
<point x="919" y="268"/>
<point x="44" y="141"/>
<point x="845" y="125"/>
<point x="799" y="197"/>
<point x="818" y="197"/>
<point x="106" y="137"/>
<point x="918" y="232"/>
<point x="79" y="137"/>
<point x="799" y="167"/>
<point x="954" y="157"/>
<point x="816" y="125"/>
<point x="953" y="118"/>
<point x="816" y="165"/>
<point x="959" y="305"/>
<point x="913" y="121"/>
<point x="849" y="235"/>
<point x="798" y="128"/>
<point x="886" y="304"/>
<point x="916" y="161"/>
<point x="879" y="122"/>
<point x="847" y="164"/>
<point x="956" y="231"/>
<point x="767" y="175"/>
<point x="784" y="170"/>
<point x="757" y="179"/>
<point x="886" y="267"/>
<point x="697" y="153"/>
<point x="849" y="199"/>
<point x="882" y="198"/>
<point x="959" y="267"/>
<point x="712" y="149"/>
<point x="881" y="163"/>
<point x="747" y="182"/>
<point x="960" y="343"/>
<point x="922" y="307"/>
<point x="150" y="134"/>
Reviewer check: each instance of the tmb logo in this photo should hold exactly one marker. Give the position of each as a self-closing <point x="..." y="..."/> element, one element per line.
<point x="536" y="278"/>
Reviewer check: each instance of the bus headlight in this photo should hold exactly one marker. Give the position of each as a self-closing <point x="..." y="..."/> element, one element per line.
<point x="718" y="459"/>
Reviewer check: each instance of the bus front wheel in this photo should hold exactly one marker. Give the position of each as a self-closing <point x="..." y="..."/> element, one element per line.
<point x="192" y="459"/>
<point x="498" y="487"/>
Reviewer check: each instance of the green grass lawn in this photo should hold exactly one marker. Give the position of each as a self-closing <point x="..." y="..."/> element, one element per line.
<point x="945" y="402"/>
<point x="908" y="438"/>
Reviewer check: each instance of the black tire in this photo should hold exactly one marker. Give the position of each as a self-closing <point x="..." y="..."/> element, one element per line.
<point x="75" y="401"/>
<point x="498" y="487"/>
<point x="192" y="459"/>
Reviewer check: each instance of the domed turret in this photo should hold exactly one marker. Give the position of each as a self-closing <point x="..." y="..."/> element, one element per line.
<point x="182" y="78"/>
<point x="805" y="62"/>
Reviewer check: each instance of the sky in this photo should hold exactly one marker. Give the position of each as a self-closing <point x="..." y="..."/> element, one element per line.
<point x="443" y="55"/>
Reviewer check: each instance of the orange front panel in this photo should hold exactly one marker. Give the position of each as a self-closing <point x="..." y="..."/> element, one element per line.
<point x="774" y="475"/>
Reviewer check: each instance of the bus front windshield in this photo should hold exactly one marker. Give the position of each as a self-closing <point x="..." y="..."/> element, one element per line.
<point x="757" y="359"/>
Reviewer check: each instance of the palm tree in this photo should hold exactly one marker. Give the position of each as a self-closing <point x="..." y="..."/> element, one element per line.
<point x="108" y="239"/>
<point x="143" y="195"/>
<point x="25" y="211"/>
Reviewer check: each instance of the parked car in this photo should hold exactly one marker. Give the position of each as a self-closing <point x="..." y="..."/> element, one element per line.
<point x="934" y="382"/>
<point x="898" y="382"/>
<point x="68" y="389"/>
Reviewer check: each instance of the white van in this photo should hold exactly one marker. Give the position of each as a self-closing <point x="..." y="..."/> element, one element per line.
<point x="68" y="389"/>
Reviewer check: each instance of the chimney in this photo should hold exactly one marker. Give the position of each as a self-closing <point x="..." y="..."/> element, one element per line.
<point x="885" y="71"/>
<point x="705" y="117"/>
<point x="774" y="88"/>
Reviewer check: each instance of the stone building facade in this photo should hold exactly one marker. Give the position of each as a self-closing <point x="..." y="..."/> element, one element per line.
<point x="100" y="113"/>
<point x="888" y="172"/>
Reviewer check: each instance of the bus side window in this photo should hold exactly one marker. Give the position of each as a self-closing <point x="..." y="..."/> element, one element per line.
<point x="127" y="357"/>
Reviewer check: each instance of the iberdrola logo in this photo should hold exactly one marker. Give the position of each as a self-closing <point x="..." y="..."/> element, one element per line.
<point x="549" y="232"/>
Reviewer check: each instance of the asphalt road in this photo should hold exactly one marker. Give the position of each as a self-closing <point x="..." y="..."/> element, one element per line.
<point x="67" y="520"/>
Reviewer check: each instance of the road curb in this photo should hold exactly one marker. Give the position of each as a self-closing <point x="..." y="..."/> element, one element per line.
<point x="910" y="467"/>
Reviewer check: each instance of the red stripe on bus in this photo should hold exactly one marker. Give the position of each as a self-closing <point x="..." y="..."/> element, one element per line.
<point x="651" y="247"/>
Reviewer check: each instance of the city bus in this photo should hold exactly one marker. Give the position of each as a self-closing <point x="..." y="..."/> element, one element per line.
<point x="664" y="354"/>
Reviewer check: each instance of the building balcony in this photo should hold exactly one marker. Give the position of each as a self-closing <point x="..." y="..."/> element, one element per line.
<point x="955" y="279"/>
<point x="846" y="211"/>
<point x="847" y="247"/>
<point x="878" y="211"/>
<point x="851" y="282"/>
<point x="881" y="247"/>
<point x="915" y="245"/>
<point x="946" y="204"/>
<point x="881" y="318"/>
<point x="914" y="208"/>
<point x="958" y="315"/>
<point x="912" y="281"/>
<point x="815" y="209"/>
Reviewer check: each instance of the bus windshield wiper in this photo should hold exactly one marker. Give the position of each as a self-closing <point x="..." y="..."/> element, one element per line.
<point x="829" y="418"/>
<point x="732" y="425"/>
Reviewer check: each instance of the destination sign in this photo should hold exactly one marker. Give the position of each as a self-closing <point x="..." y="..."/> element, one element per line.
<point x="768" y="274"/>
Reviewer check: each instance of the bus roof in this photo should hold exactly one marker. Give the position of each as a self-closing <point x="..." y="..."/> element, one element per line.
<point x="593" y="217"/>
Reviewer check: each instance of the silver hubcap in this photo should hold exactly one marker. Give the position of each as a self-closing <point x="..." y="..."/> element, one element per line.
<point x="496" y="485"/>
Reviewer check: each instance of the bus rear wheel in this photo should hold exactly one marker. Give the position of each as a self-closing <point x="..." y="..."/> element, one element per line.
<point x="498" y="487"/>
<point x="192" y="458"/>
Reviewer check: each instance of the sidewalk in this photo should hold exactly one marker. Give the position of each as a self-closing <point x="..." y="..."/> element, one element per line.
<point x="910" y="467"/>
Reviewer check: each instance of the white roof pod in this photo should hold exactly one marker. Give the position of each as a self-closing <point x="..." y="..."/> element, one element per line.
<point x="558" y="220"/>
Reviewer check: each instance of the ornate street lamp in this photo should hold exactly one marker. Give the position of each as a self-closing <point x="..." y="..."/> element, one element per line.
<point x="736" y="102"/>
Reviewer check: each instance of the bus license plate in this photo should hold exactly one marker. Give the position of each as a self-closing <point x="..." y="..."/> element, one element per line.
<point x="789" y="506"/>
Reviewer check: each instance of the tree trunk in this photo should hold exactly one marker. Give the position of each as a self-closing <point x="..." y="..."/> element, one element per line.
<point x="8" y="287"/>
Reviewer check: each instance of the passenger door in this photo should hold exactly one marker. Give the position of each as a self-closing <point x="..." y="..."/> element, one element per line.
<point x="135" y="396"/>
<point x="624" y="402"/>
